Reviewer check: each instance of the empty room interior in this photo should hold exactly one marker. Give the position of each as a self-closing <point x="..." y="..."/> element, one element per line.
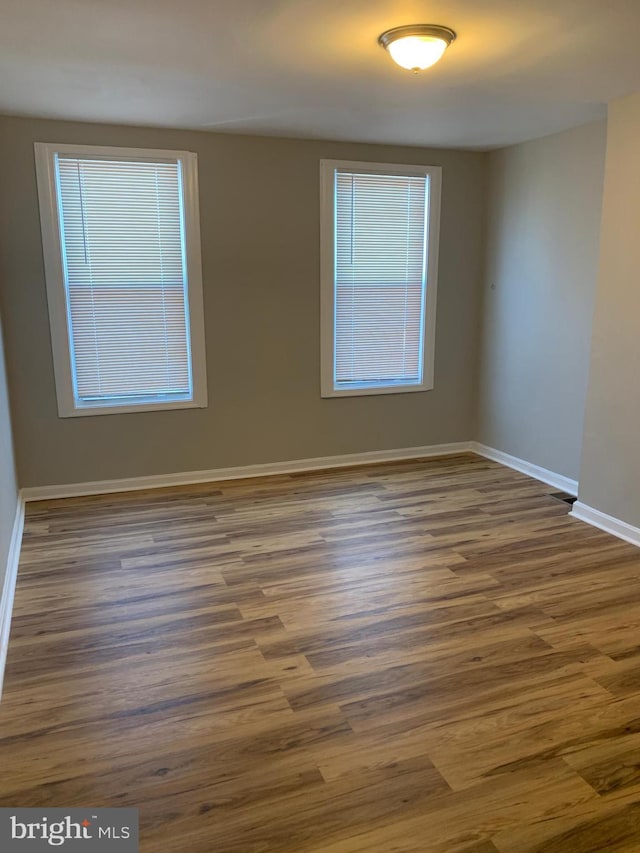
<point x="320" y="426"/>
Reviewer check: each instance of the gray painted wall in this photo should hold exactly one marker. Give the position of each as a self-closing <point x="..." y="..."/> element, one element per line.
<point x="259" y="202"/>
<point x="8" y="484"/>
<point x="542" y="256"/>
<point x="610" y="473"/>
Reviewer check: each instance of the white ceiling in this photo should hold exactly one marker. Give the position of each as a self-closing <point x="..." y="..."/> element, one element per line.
<point x="519" y="68"/>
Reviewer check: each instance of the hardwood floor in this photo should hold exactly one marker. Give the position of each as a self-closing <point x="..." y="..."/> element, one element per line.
<point x="424" y="656"/>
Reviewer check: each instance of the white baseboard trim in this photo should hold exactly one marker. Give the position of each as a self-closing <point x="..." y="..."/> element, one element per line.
<point x="558" y="481"/>
<point x="9" y="585"/>
<point x="607" y="523"/>
<point x="188" y="478"/>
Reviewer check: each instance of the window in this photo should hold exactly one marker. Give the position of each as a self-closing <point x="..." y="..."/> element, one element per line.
<point x="121" y="241"/>
<point x="379" y="235"/>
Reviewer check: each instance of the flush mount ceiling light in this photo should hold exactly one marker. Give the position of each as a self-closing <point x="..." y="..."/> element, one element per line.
<point x="417" y="46"/>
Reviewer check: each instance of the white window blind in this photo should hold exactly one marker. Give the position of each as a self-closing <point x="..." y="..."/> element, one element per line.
<point x="381" y="245"/>
<point x="123" y="247"/>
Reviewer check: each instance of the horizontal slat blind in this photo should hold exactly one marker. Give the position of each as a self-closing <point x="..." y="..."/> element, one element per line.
<point x="123" y="249"/>
<point x="380" y="262"/>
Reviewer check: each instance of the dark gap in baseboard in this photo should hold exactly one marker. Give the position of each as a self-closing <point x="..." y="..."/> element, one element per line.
<point x="565" y="497"/>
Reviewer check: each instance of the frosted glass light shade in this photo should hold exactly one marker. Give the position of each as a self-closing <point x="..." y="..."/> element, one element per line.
<point x="417" y="52"/>
<point x="418" y="46"/>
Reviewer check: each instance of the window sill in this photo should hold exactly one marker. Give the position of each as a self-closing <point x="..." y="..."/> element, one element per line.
<point x="163" y="406"/>
<point x="374" y="392"/>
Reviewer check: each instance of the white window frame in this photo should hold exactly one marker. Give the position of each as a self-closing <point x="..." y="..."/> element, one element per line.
<point x="327" y="274"/>
<point x="45" y="154"/>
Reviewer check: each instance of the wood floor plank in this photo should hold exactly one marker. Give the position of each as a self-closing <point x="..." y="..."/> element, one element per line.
<point x="420" y="657"/>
